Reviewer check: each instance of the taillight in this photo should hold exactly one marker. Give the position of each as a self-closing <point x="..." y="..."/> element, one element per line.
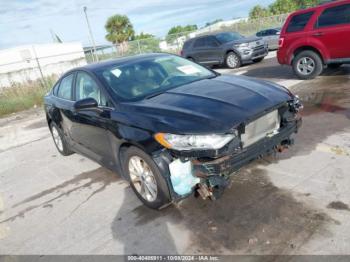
<point x="281" y="42"/>
<point x="181" y="52"/>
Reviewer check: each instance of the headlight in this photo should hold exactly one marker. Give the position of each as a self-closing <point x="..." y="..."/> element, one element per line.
<point x="242" y="45"/>
<point x="193" y="142"/>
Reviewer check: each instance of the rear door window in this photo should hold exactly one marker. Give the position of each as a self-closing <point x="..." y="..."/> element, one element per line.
<point x="187" y="44"/>
<point x="65" y="88"/>
<point x="212" y="42"/>
<point x="201" y="42"/>
<point x="298" y="22"/>
<point x="332" y="16"/>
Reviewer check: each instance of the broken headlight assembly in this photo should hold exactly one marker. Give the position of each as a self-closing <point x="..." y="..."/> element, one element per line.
<point x="194" y="142"/>
<point x="296" y="103"/>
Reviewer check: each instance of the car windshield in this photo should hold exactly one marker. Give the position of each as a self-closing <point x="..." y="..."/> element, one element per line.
<point x="148" y="77"/>
<point x="228" y="37"/>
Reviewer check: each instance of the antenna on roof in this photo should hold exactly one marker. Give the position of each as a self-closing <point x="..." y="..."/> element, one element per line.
<point x="55" y="37"/>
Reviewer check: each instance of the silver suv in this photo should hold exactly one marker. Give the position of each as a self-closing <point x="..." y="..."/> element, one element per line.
<point x="271" y="36"/>
<point x="230" y="49"/>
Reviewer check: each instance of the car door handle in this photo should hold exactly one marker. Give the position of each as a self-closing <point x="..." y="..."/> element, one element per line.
<point x="318" y="34"/>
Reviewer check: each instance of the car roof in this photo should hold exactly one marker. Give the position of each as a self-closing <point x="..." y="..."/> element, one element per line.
<point x="210" y="34"/>
<point x="322" y="5"/>
<point x="119" y="61"/>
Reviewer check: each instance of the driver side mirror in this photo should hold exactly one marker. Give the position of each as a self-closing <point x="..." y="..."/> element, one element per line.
<point x="86" y="103"/>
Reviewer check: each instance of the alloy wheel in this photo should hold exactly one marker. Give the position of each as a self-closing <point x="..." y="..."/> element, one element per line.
<point x="232" y="60"/>
<point x="143" y="178"/>
<point x="57" y="138"/>
<point x="306" y="65"/>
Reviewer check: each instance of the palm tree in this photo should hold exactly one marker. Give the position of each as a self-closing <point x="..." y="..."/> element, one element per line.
<point x="119" y="30"/>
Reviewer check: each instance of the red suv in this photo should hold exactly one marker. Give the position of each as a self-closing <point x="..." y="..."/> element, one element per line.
<point x="315" y="38"/>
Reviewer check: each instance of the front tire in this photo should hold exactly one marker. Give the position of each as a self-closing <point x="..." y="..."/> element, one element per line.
<point x="145" y="178"/>
<point x="307" y="65"/>
<point x="59" y="140"/>
<point x="232" y="60"/>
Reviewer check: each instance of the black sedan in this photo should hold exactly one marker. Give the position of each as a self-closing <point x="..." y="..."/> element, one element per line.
<point x="169" y="126"/>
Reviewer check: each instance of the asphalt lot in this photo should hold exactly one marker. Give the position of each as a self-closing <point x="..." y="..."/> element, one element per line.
<point x="293" y="203"/>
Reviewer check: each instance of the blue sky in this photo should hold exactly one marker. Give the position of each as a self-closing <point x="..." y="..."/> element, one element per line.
<point x="30" y="21"/>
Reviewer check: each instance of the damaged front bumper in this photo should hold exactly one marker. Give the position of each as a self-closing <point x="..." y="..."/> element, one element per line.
<point x="228" y="164"/>
<point x="210" y="172"/>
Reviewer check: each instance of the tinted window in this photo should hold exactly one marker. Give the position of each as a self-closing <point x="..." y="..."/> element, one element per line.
<point x="211" y="42"/>
<point x="335" y="16"/>
<point x="298" y="22"/>
<point x="228" y="37"/>
<point x="86" y="87"/>
<point x="55" y="89"/>
<point x="272" y="32"/>
<point x="65" y="88"/>
<point x="187" y="44"/>
<point x="138" y="79"/>
<point x="200" y="42"/>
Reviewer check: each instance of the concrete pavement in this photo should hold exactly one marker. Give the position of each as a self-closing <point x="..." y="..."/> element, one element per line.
<point x="294" y="203"/>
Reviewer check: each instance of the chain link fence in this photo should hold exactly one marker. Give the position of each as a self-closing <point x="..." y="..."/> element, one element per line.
<point x="24" y="82"/>
<point x="173" y="43"/>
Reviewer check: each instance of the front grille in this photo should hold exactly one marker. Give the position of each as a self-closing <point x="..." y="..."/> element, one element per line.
<point x="259" y="48"/>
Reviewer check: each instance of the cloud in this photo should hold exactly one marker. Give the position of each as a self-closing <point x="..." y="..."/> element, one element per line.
<point x="27" y="26"/>
<point x="29" y="21"/>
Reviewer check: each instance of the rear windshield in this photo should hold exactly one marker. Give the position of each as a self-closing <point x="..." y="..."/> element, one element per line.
<point x="228" y="37"/>
<point x="298" y="22"/>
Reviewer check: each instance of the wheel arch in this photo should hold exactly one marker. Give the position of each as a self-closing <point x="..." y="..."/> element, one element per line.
<point x="120" y="150"/>
<point x="306" y="48"/>
<point x="48" y="119"/>
<point x="232" y="51"/>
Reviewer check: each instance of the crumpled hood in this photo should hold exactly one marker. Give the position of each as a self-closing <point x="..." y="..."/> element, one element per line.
<point x="207" y="106"/>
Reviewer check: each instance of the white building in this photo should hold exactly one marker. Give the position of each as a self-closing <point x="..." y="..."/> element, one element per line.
<point x="25" y="63"/>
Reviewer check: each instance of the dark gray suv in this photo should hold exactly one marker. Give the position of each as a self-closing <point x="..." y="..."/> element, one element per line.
<point x="229" y="48"/>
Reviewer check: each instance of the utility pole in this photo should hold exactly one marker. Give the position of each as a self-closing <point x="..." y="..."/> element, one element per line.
<point x="90" y="32"/>
<point x="39" y="67"/>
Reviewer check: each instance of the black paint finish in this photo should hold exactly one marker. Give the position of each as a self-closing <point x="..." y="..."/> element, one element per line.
<point x="208" y="106"/>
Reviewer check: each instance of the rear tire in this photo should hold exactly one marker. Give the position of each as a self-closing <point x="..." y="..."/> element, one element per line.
<point x="145" y="178"/>
<point x="307" y="65"/>
<point x="59" y="140"/>
<point x="190" y="59"/>
<point x="232" y="60"/>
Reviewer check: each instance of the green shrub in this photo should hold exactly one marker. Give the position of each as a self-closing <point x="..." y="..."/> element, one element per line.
<point x="18" y="97"/>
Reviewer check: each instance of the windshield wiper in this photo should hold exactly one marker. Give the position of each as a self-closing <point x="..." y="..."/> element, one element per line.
<point x="215" y="74"/>
<point x="154" y="95"/>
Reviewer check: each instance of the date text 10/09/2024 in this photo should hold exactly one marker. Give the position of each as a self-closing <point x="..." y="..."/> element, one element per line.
<point x="173" y="258"/>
